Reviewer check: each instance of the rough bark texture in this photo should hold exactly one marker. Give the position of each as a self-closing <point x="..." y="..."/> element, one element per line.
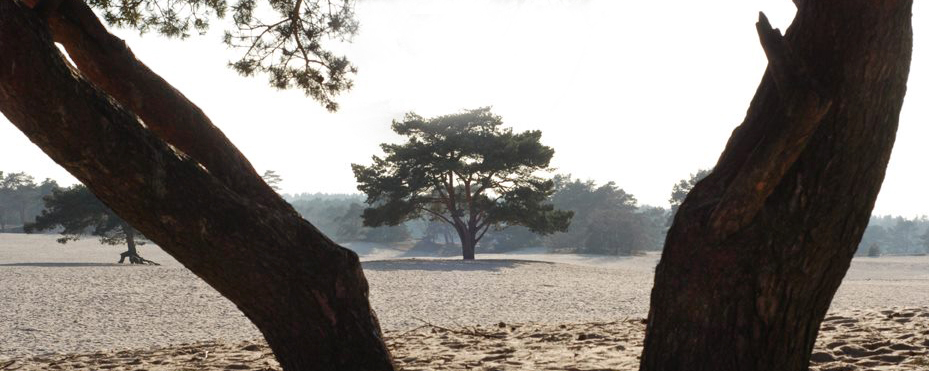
<point x="107" y="61"/>
<point x="758" y="248"/>
<point x="305" y="293"/>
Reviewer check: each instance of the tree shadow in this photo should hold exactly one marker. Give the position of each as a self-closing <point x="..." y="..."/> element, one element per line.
<point x="446" y="265"/>
<point x="62" y="265"/>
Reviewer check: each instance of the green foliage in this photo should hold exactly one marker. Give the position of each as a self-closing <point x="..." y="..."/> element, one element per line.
<point x="654" y="221"/>
<point x="21" y="197"/>
<point x="464" y="169"/>
<point x="325" y="210"/>
<point x="606" y="219"/>
<point x="76" y="211"/>
<point x="273" y="180"/>
<point x="172" y="18"/>
<point x="874" y="251"/>
<point x="289" y="47"/>
<point x="286" y="40"/>
<point x="896" y="235"/>
<point x="388" y="234"/>
<point x="681" y="189"/>
<point x="510" y="238"/>
<point x="339" y="216"/>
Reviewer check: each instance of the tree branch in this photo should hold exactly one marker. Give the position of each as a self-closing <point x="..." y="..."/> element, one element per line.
<point x="481" y="235"/>
<point x="438" y="215"/>
<point x="777" y="141"/>
<point x="105" y="60"/>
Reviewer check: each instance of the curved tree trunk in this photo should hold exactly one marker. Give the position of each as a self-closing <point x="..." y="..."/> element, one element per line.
<point x="107" y="62"/>
<point x="758" y="248"/>
<point x="305" y="293"/>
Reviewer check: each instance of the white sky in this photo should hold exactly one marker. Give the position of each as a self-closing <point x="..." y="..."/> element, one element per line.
<point x="642" y="93"/>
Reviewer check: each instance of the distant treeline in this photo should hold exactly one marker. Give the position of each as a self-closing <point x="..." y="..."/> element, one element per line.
<point x="607" y="220"/>
<point x="21" y="199"/>
<point x="895" y="235"/>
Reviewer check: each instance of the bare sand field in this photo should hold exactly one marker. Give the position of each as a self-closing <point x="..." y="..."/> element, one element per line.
<point x="71" y="307"/>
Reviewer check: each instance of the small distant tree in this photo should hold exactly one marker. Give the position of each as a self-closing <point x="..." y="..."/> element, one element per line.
<point x="681" y="189"/>
<point x="874" y="235"/>
<point x="874" y="251"/>
<point x="466" y="170"/>
<point x="77" y="211"/>
<point x="273" y="180"/>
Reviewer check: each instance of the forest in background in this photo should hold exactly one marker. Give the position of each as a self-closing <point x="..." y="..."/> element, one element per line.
<point x="607" y="220"/>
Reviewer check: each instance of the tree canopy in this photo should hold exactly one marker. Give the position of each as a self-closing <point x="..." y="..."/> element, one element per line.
<point x="464" y="169"/>
<point x="285" y="40"/>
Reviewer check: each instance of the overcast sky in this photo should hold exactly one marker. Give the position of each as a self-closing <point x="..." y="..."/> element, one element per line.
<point x="641" y="93"/>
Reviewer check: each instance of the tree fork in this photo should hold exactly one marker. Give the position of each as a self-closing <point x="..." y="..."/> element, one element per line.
<point x="306" y="294"/>
<point x="759" y="247"/>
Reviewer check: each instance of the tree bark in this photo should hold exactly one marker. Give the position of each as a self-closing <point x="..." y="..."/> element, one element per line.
<point x="305" y="293"/>
<point x="759" y="247"/>
<point x="107" y="62"/>
<point x="467" y="247"/>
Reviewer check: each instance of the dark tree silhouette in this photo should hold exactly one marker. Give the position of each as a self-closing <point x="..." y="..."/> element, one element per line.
<point x="465" y="170"/>
<point x="153" y="157"/>
<point x="759" y="247"/>
<point x="77" y="211"/>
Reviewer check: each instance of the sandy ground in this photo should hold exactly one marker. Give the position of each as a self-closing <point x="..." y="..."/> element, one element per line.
<point x="557" y="311"/>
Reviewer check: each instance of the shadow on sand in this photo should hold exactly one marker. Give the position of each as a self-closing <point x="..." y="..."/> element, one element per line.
<point x="491" y="265"/>
<point x="63" y="265"/>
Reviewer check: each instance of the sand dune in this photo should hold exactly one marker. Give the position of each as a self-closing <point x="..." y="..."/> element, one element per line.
<point x="69" y="307"/>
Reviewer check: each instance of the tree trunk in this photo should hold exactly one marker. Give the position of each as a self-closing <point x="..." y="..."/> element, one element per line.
<point x="467" y="248"/>
<point x="306" y="294"/>
<point x="468" y="241"/>
<point x="131" y="253"/>
<point x="759" y="247"/>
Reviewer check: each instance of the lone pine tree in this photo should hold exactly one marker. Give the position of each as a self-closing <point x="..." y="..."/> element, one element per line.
<point x="465" y="170"/>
